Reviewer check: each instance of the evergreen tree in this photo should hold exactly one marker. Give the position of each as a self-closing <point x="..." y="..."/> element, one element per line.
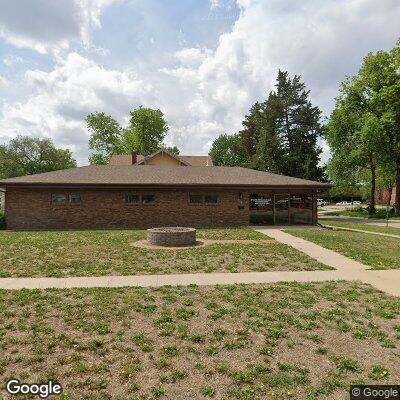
<point x="287" y="141"/>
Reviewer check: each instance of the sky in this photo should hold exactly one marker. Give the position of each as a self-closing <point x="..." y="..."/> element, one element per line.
<point x="202" y="62"/>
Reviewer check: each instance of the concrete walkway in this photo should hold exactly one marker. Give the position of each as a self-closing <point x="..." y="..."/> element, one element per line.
<point x="345" y="269"/>
<point x="385" y="280"/>
<point x="342" y="228"/>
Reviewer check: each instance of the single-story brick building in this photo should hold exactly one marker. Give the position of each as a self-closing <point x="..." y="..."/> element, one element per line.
<point x="158" y="190"/>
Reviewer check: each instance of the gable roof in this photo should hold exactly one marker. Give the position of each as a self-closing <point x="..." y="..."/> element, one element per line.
<point x="160" y="176"/>
<point x="126" y="159"/>
<point x="150" y="156"/>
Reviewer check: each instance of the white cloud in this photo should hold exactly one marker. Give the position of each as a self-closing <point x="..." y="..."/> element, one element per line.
<point x="3" y="82"/>
<point x="45" y="25"/>
<point x="206" y="91"/>
<point x="323" y="42"/>
<point x="62" y="98"/>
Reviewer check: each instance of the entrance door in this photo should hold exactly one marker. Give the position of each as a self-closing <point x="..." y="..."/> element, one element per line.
<point x="281" y="209"/>
<point x="262" y="209"/>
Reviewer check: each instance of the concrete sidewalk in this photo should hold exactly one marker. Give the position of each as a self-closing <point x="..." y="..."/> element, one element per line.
<point x="346" y="269"/>
<point x="385" y="280"/>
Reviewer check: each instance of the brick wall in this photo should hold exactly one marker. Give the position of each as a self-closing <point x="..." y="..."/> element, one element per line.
<point x="32" y="208"/>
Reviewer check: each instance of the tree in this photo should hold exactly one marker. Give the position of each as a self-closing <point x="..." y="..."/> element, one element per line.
<point x="291" y="127"/>
<point x="145" y="134"/>
<point x="25" y="155"/>
<point x="250" y="133"/>
<point x="228" y="150"/>
<point x="173" y="150"/>
<point x="146" y="131"/>
<point x="372" y="100"/>
<point x="105" y="137"/>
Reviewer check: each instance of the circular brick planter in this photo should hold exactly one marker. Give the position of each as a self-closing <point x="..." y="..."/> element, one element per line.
<point x="171" y="236"/>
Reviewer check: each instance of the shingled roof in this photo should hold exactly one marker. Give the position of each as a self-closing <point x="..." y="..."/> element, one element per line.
<point x="160" y="176"/>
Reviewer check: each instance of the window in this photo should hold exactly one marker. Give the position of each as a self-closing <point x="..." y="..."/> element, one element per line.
<point x="196" y="199"/>
<point x="75" y="199"/>
<point x="58" y="199"/>
<point x="211" y="199"/>
<point x="132" y="199"/>
<point x="148" y="199"/>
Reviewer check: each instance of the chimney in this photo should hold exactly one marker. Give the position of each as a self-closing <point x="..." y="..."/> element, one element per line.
<point x="134" y="158"/>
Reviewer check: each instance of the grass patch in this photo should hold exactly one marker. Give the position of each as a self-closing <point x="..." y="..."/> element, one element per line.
<point x="177" y="343"/>
<point x="362" y="212"/>
<point x="378" y="253"/>
<point x="363" y="226"/>
<point x="95" y="253"/>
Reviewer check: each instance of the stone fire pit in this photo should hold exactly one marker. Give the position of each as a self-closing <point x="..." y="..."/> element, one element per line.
<point x="171" y="236"/>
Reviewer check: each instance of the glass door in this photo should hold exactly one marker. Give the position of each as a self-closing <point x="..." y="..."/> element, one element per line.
<point x="281" y="209"/>
<point x="262" y="209"/>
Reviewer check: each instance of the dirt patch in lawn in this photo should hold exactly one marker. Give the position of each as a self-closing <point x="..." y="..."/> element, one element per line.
<point x="280" y="341"/>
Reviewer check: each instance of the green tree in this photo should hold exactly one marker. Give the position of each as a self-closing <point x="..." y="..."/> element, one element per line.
<point x="173" y="150"/>
<point x="228" y="150"/>
<point x="144" y="135"/>
<point x="25" y="155"/>
<point x="146" y="131"/>
<point x="289" y="133"/>
<point x="106" y="137"/>
<point x="371" y="99"/>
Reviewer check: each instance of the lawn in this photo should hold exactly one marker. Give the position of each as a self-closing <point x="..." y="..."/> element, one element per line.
<point x="283" y="341"/>
<point x="362" y="226"/>
<point x="377" y="252"/>
<point x="85" y="253"/>
<point x="362" y="212"/>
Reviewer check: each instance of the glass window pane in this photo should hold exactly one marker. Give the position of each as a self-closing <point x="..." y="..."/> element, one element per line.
<point x="132" y="199"/>
<point x="281" y="209"/>
<point x="58" y="199"/>
<point x="148" y="199"/>
<point x="261" y="209"/>
<point x="301" y="208"/>
<point x="75" y="198"/>
<point x="211" y="199"/>
<point x="195" y="199"/>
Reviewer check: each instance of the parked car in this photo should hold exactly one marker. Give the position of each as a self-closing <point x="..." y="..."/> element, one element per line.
<point x="322" y="202"/>
<point x="356" y="203"/>
<point x="344" y="203"/>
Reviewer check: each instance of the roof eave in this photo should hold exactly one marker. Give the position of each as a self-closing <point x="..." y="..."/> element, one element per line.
<point x="322" y="186"/>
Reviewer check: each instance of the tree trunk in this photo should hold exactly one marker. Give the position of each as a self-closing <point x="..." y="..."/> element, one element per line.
<point x="397" y="193"/>
<point x="371" y="208"/>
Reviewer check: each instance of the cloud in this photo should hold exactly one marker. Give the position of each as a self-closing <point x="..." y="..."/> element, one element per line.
<point x="62" y="98"/>
<point x="45" y="25"/>
<point x="323" y="42"/>
<point x="203" y="91"/>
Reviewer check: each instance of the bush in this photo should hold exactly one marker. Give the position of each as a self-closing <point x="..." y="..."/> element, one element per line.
<point x="2" y="220"/>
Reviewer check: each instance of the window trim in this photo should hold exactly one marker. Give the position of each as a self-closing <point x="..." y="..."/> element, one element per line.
<point x="59" y="204"/>
<point x="148" y="204"/>
<point x="128" y="203"/>
<point x="211" y="195"/>
<point x="75" y="194"/>
<point x="201" y="203"/>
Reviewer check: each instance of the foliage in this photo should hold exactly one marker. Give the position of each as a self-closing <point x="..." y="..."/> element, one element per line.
<point x="364" y="129"/>
<point x="146" y="131"/>
<point x="144" y="134"/>
<point x="25" y="155"/>
<point x="291" y="126"/>
<point x="228" y="150"/>
<point x="105" y="137"/>
<point x="279" y="135"/>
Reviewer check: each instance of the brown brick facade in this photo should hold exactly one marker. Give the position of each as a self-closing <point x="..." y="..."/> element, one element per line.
<point x="107" y="208"/>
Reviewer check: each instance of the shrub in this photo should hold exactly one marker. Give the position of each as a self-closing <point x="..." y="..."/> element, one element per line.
<point x="2" y="220"/>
